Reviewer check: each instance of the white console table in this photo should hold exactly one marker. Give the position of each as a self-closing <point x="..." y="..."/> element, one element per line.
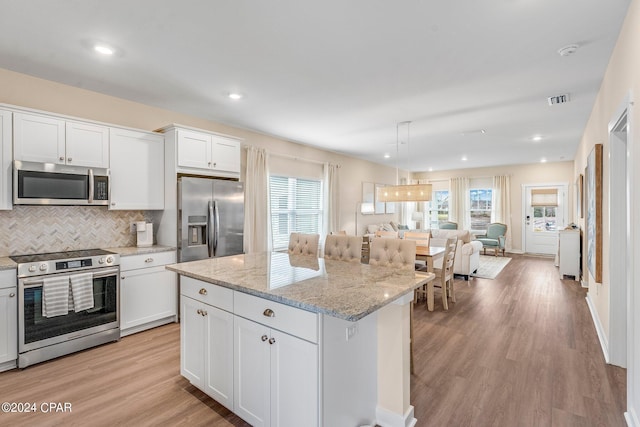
<point x="569" y="253"/>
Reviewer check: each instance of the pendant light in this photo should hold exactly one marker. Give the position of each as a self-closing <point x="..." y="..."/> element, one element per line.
<point x="408" y="192"/>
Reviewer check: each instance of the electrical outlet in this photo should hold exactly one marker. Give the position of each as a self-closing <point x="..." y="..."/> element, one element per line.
<point x="351" y="331"/>
<point x="132" y="228"/>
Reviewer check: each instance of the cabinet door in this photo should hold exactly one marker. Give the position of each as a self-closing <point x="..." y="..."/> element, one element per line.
<point x="137" y="170"/>
<point x="8" y="324"/>
<point x="294" y="381"/>
<point x="219" y="355"/>
<point x="6" y="167"/>
<point x="226" y="154"/>
<point x="87" y="145"/>
<point x="146" y="295"/>
<point x="192" y="345"/>
<point x="38" y="138"/>
<point x="251" y="386"/>
<point x="194" y="150"/>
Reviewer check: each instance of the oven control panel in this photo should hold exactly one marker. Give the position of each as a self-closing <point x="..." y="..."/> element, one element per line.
<point x="31" y="266"/>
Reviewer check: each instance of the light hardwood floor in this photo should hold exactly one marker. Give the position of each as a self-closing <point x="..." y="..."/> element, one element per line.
<point x="520" y="350"/>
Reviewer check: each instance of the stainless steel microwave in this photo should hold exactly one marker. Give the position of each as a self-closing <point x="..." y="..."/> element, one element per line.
<point x="53" y="184"/>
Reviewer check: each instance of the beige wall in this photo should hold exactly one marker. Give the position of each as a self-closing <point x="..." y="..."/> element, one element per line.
<point x="538" y="173"/>
<point x="26" y="91"/>
<point x="621" y="79"/>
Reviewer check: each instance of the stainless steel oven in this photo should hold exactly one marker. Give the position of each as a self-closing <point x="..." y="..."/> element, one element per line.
<point x="45" y="335"/>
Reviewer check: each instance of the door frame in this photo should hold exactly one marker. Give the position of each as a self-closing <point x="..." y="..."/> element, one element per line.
<point x="564" y="187"/>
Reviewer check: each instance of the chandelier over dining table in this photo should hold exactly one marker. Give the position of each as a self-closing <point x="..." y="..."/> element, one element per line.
<point x="405" y="192"/>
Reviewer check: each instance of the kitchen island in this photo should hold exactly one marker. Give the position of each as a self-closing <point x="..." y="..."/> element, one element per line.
<point x="294" y="340"/>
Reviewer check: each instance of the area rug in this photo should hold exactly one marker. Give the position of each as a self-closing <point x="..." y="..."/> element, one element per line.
<point x="491" y="266"/>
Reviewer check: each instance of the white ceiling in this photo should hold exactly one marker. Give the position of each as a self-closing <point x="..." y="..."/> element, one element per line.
<point x="340" y="74"/>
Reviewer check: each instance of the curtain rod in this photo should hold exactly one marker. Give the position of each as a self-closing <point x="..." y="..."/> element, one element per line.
<point x="302" y="159"/>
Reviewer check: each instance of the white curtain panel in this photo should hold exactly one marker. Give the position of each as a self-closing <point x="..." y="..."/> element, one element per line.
<point x="257" y="223"/>
<point x="459" y="202"/>
<point x="501" y="203"/>
<point x="332" y="197"/>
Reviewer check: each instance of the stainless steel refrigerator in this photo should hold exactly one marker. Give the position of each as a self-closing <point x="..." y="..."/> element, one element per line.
<point x="210" y="218"/>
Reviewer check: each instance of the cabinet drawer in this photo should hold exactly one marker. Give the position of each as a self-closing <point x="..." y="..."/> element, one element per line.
<point x="147" y="260"/>
<point x="207" y="293"/>
<point x="294" y="321"/>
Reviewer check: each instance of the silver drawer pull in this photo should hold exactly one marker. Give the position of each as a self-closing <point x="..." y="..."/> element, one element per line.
<point x="272" y="340"/>
<point x="202" y="291"/>
<point x="269" y="313"/>
<point x="148" y="260"/>
<point x="264" y="338"/>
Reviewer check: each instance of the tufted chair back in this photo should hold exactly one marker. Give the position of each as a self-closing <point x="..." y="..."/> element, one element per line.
<point x="343" y="248"/>
<point x="397" y="253"/>
<point x="303" y="244"/>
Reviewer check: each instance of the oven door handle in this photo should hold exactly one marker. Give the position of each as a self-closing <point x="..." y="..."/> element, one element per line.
<point x="102" y="273"/>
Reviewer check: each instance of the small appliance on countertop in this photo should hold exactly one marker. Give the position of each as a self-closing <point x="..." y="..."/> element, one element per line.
<point x="144" y="231"/>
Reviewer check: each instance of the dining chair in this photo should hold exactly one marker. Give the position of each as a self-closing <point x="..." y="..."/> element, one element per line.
<point x="444" y="277"/>
<point x="387" y="234"/>
<point x="343" y="248"/>
<point x="397" y="253"/>
<point x="303" y="244"/>
<point x="421" y="239"/>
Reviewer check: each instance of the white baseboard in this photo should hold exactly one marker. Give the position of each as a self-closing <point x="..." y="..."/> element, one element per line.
<point x="6" y="366"/>
<point x="386" y="418"/>
<point x="632" y="418"/>
<point x="602" y="337"/>
<point x="155" y="323"/>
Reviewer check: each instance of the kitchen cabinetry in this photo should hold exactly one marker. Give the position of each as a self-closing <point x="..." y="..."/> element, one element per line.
<point x="49" y="139"/>
<point x="137" y="170"/>
<point x="8" y="320"/>
<point x="208" y="152"/>
<point x="569" y="253"/>
<point x="148" y="292"/>
<point x="206" y="338"/>
<point x="6" y="171"/>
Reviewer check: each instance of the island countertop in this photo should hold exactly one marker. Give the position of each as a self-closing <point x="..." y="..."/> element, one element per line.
<point x="345" y="290"/>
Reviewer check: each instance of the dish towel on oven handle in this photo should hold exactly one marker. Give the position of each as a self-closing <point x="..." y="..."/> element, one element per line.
<point x="82" y="291"/>
<point x="55" y="296"/>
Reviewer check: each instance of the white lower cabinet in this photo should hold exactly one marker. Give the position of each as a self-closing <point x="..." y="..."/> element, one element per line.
<point x="8" y="320"/>
<point x="265" y="375"/>
<point x="275" y="376"/>
<point x="206" y="356"/>
<point x="148" y="292"/>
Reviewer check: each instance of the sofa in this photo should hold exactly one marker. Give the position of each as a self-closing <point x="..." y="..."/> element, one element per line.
<point x="467" y="257"/>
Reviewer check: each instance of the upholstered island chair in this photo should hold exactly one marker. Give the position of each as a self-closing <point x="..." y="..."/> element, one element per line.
<point x="343" y="248"/>
<point x="494" y="238"/>
<point x="303" y="244"/>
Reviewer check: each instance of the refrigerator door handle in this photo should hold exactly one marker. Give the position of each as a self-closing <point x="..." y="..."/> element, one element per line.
<point x="210" y="230"/>
<point x="216" y="219"/>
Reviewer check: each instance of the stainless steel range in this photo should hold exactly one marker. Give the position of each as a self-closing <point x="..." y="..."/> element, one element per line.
<point x="68" y="301"/>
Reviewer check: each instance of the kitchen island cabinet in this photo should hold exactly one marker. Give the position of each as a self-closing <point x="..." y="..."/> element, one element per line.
<point x="315" y="342"/>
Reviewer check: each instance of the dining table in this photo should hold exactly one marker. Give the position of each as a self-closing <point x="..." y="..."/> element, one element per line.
<point x="429" y="254"/>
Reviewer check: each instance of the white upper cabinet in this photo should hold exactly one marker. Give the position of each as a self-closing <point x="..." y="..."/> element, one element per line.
<point x="5" y="161"/>
<point x="137" y="170"/>
<point x="48" y="139"/>
<point x="208" y="152"/>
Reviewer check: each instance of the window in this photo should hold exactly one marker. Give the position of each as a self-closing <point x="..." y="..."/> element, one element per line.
<point x="544" y="218"/>
<point x="480" y="208"/>
<point x="296" y="206"/>
<point x="438" y="208"/>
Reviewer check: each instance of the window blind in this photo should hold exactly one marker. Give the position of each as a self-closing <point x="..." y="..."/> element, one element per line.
<point x="544" y="197"/>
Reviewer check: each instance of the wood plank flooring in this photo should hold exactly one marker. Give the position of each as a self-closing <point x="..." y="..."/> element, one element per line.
<point x="520" y="350"/>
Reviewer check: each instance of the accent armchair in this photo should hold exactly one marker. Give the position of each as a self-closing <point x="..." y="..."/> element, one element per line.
<point x="494" y="238"/>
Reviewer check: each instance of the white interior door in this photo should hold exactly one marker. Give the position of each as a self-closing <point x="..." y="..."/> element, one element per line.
<point x="541" y="223"/>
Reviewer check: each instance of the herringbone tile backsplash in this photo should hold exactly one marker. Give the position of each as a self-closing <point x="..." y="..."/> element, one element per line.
<point x="40" y="229"/>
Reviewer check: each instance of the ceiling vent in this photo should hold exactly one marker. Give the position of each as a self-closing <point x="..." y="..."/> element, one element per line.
<point x="558" y="99"/>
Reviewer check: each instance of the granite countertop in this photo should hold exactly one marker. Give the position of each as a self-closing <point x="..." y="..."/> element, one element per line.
<point x="134" y="250"/>
<point x="345" y="290"/>
<point x="7" y="263"/>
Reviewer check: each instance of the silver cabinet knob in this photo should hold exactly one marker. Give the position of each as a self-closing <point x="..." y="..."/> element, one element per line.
<point x="202" y="291"/>
<point x="148" y="260"/>
<point x="272" y="340"/>
<point x="121" y="277"/>
<point x="208" y="163"/>
<point x="215" y="164"/>
<point x="61" y="158"/>
<point x="12" y="294"/>
<point x="264" y="338"/>
<point x="199" y="311"/>
<point x="269" y="313"/>
<point x="69" y="159"/>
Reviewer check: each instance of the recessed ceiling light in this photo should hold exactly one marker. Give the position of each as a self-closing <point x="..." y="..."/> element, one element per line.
<point x="543" y="160"/>
<point x="105" y="50"/>
<point x="568" y="50"/>
<point x="536" y="138"/>
<point x="387" y="155"/>
<point x="464" y="158"/>
<point x="430" y="169"/>
<point x="235" y="95"/>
